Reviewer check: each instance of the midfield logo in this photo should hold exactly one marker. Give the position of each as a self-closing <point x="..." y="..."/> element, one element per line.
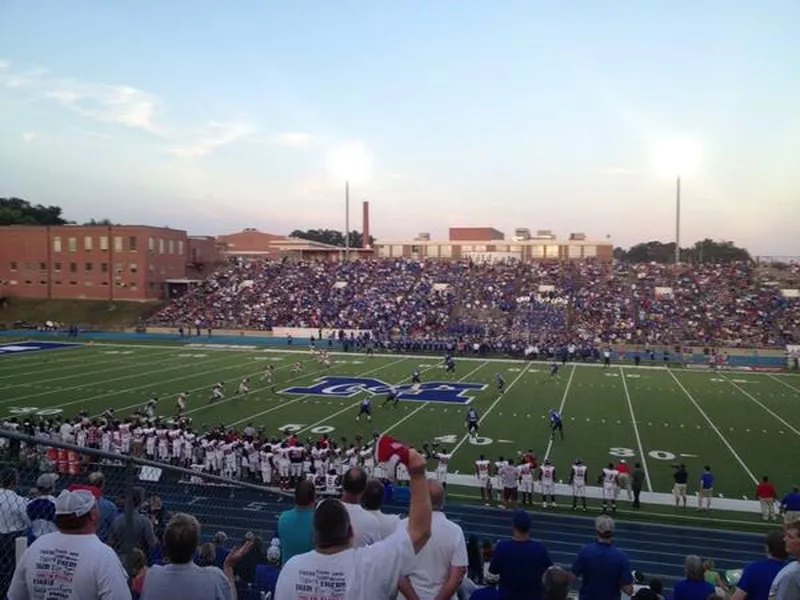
<point x="432" y="391"/>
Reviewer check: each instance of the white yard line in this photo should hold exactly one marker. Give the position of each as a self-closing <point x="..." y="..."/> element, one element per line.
<point x="560" y="410"/>
<point x="208" y="386"/>
<point x="762" y="405"/>
<point x="290" y="402"/>
<point x="424" y="404"/>
<point x="151" y="384"/>
<point x="491" y="407"/>
<point x="782" y="382"/>
<point x="138" y="374"/>
<point x="91" y="370"/>
<point x="714" y="427"/>
<point x="636" y="430"/>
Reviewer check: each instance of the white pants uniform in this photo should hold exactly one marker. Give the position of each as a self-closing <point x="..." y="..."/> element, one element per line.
<point x="283" y="468"/>
<point x="579" y="490"/>
<point x="297" y="469"/>
<point x="609" y="492"/>
<point x="548" y="488"/>
<point x="441" y="474"/>
<point x="526" y="484"/>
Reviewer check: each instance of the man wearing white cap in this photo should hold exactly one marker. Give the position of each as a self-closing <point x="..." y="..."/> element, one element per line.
<point x="71" y="563"/>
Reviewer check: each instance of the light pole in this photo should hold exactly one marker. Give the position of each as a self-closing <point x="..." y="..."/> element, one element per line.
<point x="675" y="158"/>
<point x="348" y="162"/>
<point x="678" y="221"/>
<point x="347" y="221"/>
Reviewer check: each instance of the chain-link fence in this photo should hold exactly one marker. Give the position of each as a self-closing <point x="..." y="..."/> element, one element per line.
<point x="136" y="498"/>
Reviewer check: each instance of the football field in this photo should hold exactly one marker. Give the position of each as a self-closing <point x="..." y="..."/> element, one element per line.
<point x="743" y="425"/>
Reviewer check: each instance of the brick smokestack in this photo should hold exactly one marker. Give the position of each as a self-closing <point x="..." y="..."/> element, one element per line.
<point x="365" y="225"/>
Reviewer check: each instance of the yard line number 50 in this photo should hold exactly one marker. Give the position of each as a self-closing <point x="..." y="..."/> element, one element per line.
<point x="629" y="453"/>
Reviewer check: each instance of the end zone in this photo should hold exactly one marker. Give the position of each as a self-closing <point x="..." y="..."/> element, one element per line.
<point x="18" y="348"/>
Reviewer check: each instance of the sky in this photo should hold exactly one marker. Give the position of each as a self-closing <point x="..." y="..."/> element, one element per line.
<point x="213" y="117"/>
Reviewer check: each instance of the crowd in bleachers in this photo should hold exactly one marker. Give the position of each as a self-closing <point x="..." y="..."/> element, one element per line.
<point x="733" y="304"/>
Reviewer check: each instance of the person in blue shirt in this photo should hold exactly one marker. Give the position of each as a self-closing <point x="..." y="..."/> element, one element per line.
<point x="706" y="489"/>
<point x="694" y="587"/>
<point x="556" y="423"/>
<point x="365" y="409"/>
<point x="501" y="383"/>
<point x="296" y="526"/>
<point x="758" y="576"/>
<point x="554" y="368"/>
<point x="391" y="396"/>
<point x="519" y="564"/>
<point x="604" y="570"/>
<point x="472" y="422"/>
<point x="790" y="506"/>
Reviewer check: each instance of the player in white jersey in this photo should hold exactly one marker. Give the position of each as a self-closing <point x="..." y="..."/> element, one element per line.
<point x="150" y="407"/>
<point x="268" y="374"/>
<point x="441" y="468"/>
<point x="150" y="442"/>
<point x="283" y="465"/>
<point x="609" y="481"/>
<point x="368" y="461"/>
<point x="297" y="367"/>
<point x="497" y="482"/>
<point x="509" y="478"/>
<point x="218" y="391"/>
<point x="163" y="447"/>
<point x="296" y="456"/>
<point x="547" y="476"/>
<point x="126" y="437"/>
<point x="244" y="387"/>
<point x="180" y="404"/>
<point x="577" y="480"/>
<point x="265" y="461"/>
<point x="176" y="440"/>
<point x="485" y="482"/>
<point x="332" y="482"/>
<point x="525" y="470"/>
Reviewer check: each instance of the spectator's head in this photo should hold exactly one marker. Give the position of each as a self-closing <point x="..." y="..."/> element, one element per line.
<point x="556" y="583"/>
<point x="373" y="495"/>
<point x="521" y="523"/>
<point x="220" y="538"/>
<point x="274" y="554"/>
<point x="774" y="545"/>
<point x="206" y="555"/>
<point x="332" y="530"/>
<point x="646" y="594"/>
<point x="46" y="483"/>
<point x="304" y="495"/>
<point x="155" y="502"/>
<point x="181" y="538"/>
<point x="354" y="483"/>
<point x="9" y="479"/>
<point x="604" y="526"/>
<point x="139" y="560"/>
<point x="437" y="494"/>
<point x="76" y="512"/>
<point x="765" y="479"/>
<point x="96" y="479"/>
<point x="791" y="538"/>
<point x="137" y="496"/>
<point x="694" y="567"/>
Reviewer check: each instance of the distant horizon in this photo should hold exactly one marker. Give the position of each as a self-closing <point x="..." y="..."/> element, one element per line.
<point x="519" y="114"/>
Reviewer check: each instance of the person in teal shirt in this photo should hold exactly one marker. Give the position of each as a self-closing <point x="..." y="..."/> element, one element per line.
<point x="296" y="526"/>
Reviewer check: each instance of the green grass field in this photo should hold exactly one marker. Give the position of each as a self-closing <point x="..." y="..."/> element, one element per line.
<point x="744" y="425"/>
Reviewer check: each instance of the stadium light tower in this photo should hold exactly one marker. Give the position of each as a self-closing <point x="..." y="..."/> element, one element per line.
<point x="348" y="163"/>
<point x="676" y="158"/>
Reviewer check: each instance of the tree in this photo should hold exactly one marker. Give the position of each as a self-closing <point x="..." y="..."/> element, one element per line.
<point x="100" y="222"/>
<point x="16" y="211"/>
<point x="331" y="236"/>
<point x="706" y="250"/>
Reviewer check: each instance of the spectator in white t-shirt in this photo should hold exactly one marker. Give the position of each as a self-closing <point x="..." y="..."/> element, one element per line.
<point x="372" y="500"/>
<point x="439" y="568"/>
<point x="13" y="522"/>
<point x="366" y="528"/>
<point x="71" y="563"/>
<point x="337" y="567"/>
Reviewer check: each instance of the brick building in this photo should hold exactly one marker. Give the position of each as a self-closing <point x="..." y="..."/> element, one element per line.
<point x="99" y="262"/>
<point x="486" y="244"/>
<point x="252" y="243"/>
